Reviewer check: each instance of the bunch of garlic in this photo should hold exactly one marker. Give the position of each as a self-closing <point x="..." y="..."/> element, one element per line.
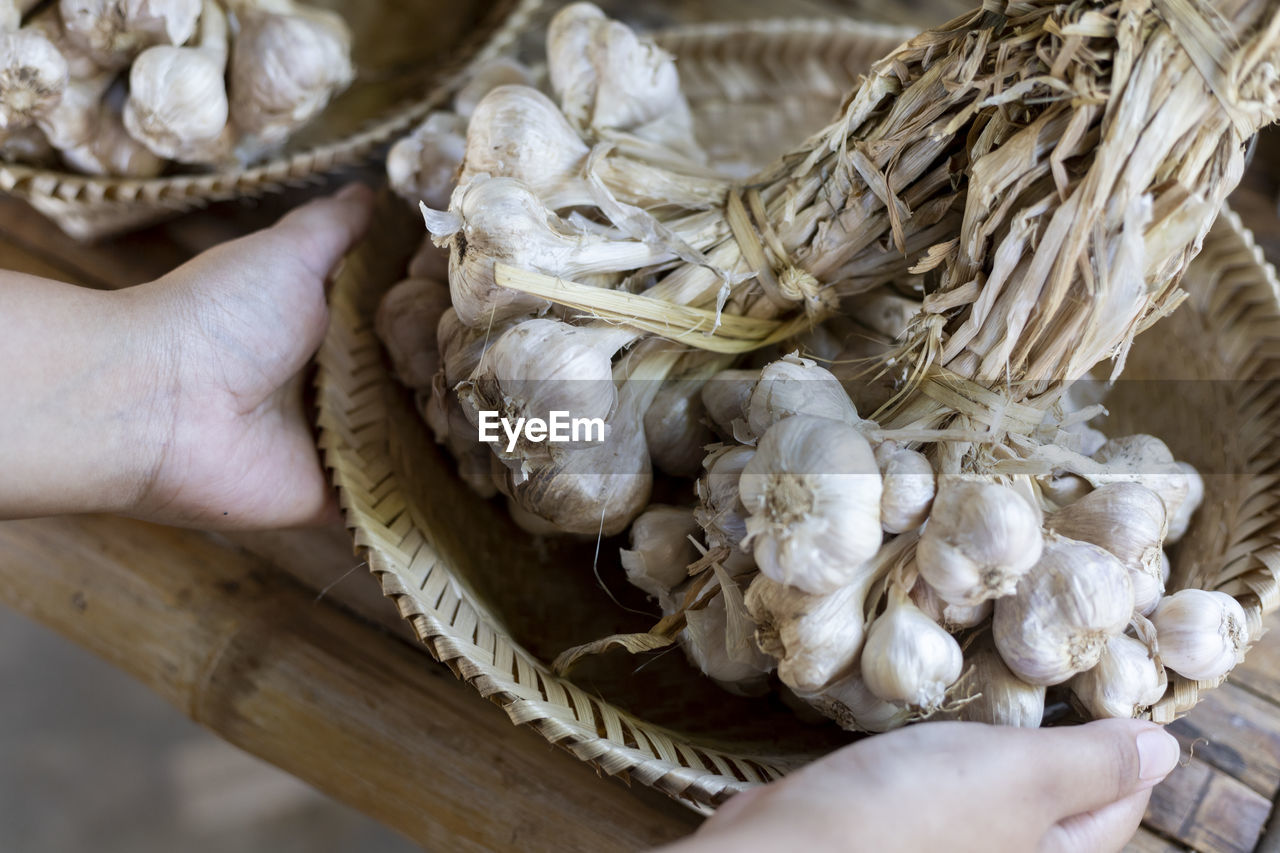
<point x="126" y="87"/>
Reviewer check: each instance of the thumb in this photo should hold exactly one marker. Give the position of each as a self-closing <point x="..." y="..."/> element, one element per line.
<point x="1079" y="769"/>
<point x="320" y="232"/>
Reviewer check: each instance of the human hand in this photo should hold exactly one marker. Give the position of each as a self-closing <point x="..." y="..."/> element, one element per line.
<point x="178" y="401"/>
<point x="956" y="787"/>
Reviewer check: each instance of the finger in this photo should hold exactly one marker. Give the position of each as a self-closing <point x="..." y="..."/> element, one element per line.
<point x="322" y="231"/>
<point x="739" y="805"/>
<point x="1103" y="831"/>
<point x="1077" y="769"/>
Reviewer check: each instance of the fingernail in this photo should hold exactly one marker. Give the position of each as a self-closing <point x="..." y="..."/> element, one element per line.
<point x="1158" y="754"/>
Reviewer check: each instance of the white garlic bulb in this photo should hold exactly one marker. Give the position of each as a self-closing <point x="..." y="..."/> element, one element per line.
<point x="486" y="77"/>
<point x="1072" y="601"/>
<point x="725" y="398"/>
<point x="660" y="553"/>
<point x="908" y="658"/>
<point x="285" y="67"/>
<point x="675" y="426"/>
<point x="443" y="414"/>
<point x="852" y="705"/>
<point x="108" y="148"/>
<point x="540" y="367"/>
<point x="883" y="311"/>
<point x="979" y="540"/>
<point x="909" y="487"/>
<point x="1147" y="460"/>
<point x="953" y="617"/>
<point x="499" y="219"/>
<point x="27" y="145"/>
<point x="423" y="166"/>
<point x="797" y="386"/>
<point x="718" y="639"/>
<point x="720" y="512"/>
<point x="1129" y="521"/>
<point x="177" y="103"/>
<point x="72" y="123"/>
<point x="1062" y="488"/>
<point x="813" y="494"/>
<point x="113" y="32"/>
<point x="1202" y="634"/>
<point x="816" y="639"/>
<point x="461" y="347"/>
<point x="406" y="323"/>
<point x="33" y="77"/>
<point x="1126" y="681"/>
<point x="1180" y="519"/>
<point x="999" y="697"/>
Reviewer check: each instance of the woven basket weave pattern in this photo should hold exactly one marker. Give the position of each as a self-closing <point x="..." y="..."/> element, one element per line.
<point x="445" y="556"/>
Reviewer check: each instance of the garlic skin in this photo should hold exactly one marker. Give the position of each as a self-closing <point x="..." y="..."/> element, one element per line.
<point x="423" y="166"/>
<point x="718" y="640"/>
<point x="797" y="386"/>
<point x="908" y="658"/>
<point x="1062" y="488"/>
<point x="1129" y="521"/>
<point x="113" y="32"/>
<point x="284" y="69"/>
<point x="852" y="705"/>
<point x="812" y="492"/>
<point x="177" y="103"/>
<point x="660" y="553"/>
<point x="33" y="77"/>
<point x="1202" y="634"/>
<point x="675" y="429"/>
<point x="909" y="487"/>
<point x="501" y="71"/>
<point x="1180" y="519"/>
<point x="542" y="366"/>
<point x="406" y="323"/>
<point x="816" y="639"/>
<point x="725" y="398"/>
<point x="1076" y="598"/>
<point x="952" y="617"/>
<point x="1127" y="680"/>
<point x="1146" y="460"/>
<point x="1002" y="698"/>
<point x="979" y="540"/>
<point x="720" y="512"/>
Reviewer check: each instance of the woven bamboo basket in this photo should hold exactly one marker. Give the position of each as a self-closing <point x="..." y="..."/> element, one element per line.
<point x="405" y="55"/>
<point x="497" y="605"/>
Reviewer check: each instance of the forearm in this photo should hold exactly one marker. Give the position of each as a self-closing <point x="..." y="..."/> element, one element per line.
<point x="83" y="398"/>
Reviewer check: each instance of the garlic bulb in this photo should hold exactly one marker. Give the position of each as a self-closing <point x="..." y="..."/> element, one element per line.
<point x="979" y="540"/>
<point x="660" y="553"/>
<point x="1180" y="519"/>
<point x="1166" y="569"/>
<point x="27" y="145"/>
<point x="109" y="149"/>
<point x="451" y="428"/>
<point x="1129" y="521"/>
<point x="1076" y="598"/>
<point x="501" y="71"/>
<point x="499" y="219"/>
<point x="1061" y="488"/>
<point x="909" y="658"/>
<point x="1001" y="699"/>
<point x="909" y="487"/>
<point x="406" y="323"/>
<point x="33" y="77"/>
<point x="725" y="398"/>
<point x="72" y="123"/>
<point x="882" y="311"/>
<point x="813" y="494"/>
<point x="285" y="66"/>
<point x="816" y="639"/>
<point x="177" y="103"/>
<point x="953" y="617"/>
<point x="423" y="166"/>
<point x="113" y="32"/>
<point x="1127" y="680"/>
<point x="675" y="424"/>
<point x="461" y="348"/>
<point x="852" y="705"/>
<point x="797" y="386"/>
<point x="1202" y="634"/>
<point x="1147" y="460"/>
<point x="718" y="640"/>
<point x="720" y="512"/>
<point x="540" y="367"/>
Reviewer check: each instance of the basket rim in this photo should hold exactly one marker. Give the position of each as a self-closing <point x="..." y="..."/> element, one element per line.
<point x="496" y="665"/>
<point x="500" y="26"/>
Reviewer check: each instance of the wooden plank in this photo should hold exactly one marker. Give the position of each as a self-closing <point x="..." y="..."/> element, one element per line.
<point x="342" y="705"/>
<point x="1260" y="671"/>
<point x="1207" y="810"/>
<point x="1238" y="733"/>
<point x="1146" y="841"/>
